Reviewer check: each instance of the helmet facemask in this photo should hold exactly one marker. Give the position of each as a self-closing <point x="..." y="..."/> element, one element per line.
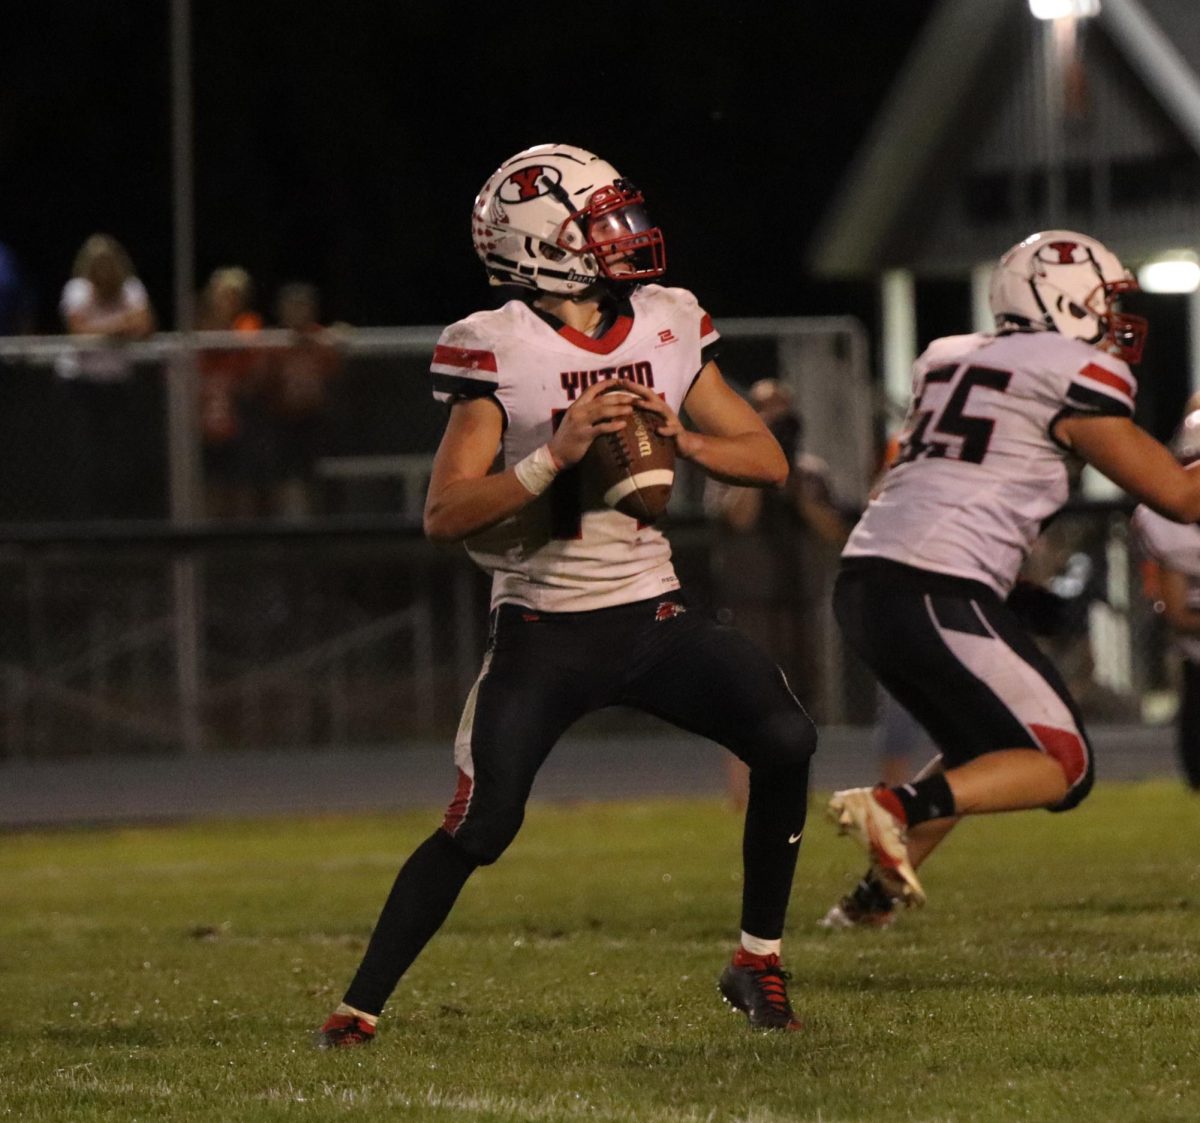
<point x="617" y="233"/>
<point x="1124" y="334"/>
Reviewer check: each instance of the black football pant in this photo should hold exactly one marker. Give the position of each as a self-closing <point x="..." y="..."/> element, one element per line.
<point x="542" y="672"/>
<point x="954" y="655"/>
<point x="1189" y="724"/>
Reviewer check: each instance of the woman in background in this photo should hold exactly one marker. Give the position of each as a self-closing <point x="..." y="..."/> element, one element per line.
<point x="104" y="299"/>
<point x="232" y="429"/>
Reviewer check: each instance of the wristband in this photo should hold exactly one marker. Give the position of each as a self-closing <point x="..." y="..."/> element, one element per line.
<point x="537" y="471"/>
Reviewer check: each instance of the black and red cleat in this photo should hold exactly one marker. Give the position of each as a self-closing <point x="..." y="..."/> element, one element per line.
<point x="757" y="985"/>
<point x="343" y="1031"/>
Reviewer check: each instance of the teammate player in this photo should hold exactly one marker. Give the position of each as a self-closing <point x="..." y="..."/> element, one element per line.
<point x="995" y="417"/>
<point x="1176" y="549"/>
<point x="586" y="608"/>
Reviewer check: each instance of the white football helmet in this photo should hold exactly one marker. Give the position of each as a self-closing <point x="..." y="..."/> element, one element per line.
<point x="558" y="219"/>
<point x="1061" y="281"/>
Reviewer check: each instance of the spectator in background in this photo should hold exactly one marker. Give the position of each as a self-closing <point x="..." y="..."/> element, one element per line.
<point x="232" y="425"/>
<point x="297" y="399"/>
<point x="104" y="299"/>
<point x="772" y="553"/>
<point x="768" y="553"/>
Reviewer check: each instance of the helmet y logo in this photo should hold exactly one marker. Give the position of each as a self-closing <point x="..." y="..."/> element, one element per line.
<point x="1066" y="252"/>
<point x="528" y="183"/>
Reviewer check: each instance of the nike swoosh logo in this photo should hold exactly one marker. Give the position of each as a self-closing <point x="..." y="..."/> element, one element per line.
<point x="795" y="837"/>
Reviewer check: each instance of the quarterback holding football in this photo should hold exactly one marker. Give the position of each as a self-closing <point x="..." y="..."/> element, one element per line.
<point x="587" y="611"/>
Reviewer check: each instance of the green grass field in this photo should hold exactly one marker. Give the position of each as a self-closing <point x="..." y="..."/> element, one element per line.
<point x="176" y="973"/>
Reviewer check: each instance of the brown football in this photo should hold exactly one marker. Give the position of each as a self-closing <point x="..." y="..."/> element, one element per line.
<point x="634" y="468"/>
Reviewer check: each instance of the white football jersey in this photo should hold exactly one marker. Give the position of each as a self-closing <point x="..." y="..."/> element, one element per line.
<point x="979" y="470"/>
<point x="567" y="551"/>
<point x="1175" y="546"/>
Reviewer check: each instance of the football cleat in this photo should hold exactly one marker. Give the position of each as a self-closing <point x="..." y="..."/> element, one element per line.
<point x="859" y="814"/>
<point x="848" y="913"/>
<point x="342" y="1031"/>
<point x="757" y="986"/>
<point x="870" y="905"/>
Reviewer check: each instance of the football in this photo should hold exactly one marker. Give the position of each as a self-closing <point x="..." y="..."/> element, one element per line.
<point x="634" y="468"/>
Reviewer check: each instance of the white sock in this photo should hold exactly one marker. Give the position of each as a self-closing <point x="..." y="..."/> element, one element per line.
<point x="755" y="946"/>
<point x="370" y="1019"/>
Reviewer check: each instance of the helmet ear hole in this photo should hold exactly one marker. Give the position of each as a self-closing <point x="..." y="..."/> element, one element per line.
<point x="1075" y="310"/>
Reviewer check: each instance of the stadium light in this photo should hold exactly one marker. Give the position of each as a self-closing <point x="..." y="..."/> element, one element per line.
<point x="1064" y="9"/>
<point x="1177" y="272"/>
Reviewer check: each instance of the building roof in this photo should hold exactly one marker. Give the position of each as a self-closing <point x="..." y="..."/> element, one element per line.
<point x="1000" y="124"/>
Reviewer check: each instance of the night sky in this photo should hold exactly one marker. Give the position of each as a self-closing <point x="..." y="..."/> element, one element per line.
<point x="344" y="144"/>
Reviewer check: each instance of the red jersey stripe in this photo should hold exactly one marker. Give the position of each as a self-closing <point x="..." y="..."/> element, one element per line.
<point x="616" y="334"/>
<point x="1098" y="373"/>
<point x="706" y="325"/>
<point x="464" y="357"/>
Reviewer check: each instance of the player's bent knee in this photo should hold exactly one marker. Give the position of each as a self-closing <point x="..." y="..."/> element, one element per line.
<point x="1076" y="794"/>
<point x="788" y="741"/>
<point x="1073" y="755"/>
<point x="484" y="852"/>
<point x="484" y="843"/>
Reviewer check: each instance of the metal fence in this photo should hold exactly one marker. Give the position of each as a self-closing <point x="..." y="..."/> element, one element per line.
<point x="272" y="425"/>
<point x="204" y="640"/>
<point x="222" y="639"/>
<point x="149" y="632"/>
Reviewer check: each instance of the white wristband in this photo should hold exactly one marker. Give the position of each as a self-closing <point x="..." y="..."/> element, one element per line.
<point x="537" y="471"/>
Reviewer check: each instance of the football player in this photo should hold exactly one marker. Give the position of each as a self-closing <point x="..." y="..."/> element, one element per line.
<point x="587" y="610"/>
<point x="921" y="592"/>
<point x="1176" y="550"/>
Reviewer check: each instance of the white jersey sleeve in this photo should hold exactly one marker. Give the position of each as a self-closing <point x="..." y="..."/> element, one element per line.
<point x="1175" y="546"/>
<point x="567" y="551"/>
<point x="979" y="469"/>
<point x="464" y="366"/>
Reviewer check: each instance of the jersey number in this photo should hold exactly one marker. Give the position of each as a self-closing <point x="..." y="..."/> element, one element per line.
<point x="974" y="433"/>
